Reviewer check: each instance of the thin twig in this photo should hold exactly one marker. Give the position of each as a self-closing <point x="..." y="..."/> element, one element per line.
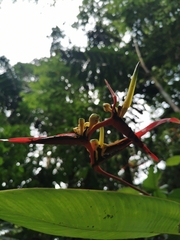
<point x="156" y="83"/>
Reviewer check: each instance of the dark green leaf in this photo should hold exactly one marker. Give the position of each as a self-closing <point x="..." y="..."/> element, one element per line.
<point x="89" y="214"/>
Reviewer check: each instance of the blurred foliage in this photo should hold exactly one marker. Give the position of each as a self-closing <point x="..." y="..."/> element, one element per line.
<point x="48" y="96"/>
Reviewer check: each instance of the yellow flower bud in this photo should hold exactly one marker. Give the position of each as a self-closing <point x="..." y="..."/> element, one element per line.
<point x="130" y="92"/>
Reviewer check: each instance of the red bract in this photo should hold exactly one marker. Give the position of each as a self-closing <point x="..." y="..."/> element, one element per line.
<point x="59" y="139"/>
<point x="118" y="123"/>
<point x="116" y="147"/>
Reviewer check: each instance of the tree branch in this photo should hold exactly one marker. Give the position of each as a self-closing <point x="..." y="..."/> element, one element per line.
<point x="156" y="83"/>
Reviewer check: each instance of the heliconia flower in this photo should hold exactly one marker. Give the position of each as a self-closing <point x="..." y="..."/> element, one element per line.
<point x="116" y="120"/>
<point x="98" y="150"/>
<point x="83" y="127"/>
<point x="108" y="150"/>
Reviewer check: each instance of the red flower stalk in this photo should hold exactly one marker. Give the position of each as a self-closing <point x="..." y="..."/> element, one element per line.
<point x="118" y="112"/>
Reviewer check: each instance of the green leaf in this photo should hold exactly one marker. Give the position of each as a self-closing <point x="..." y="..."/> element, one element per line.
<point x="159" y="193"/>
<point x="1" y="161"/>
<point x="128" y="190"/>
<point x="173" y="161"/>
<point x="151" y="182"/>
<point x="89" y="214"/>
<point x="174" y="195"/>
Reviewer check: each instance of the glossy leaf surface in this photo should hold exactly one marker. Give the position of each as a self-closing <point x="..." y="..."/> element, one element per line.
<point x="89" y="214"/>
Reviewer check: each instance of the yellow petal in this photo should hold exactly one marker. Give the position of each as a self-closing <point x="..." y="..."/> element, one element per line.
<point x="130" y="93"/>
<point x="101" y="137"/>
<point x="93" y="119"/>
<point x="81" y="126"/>
<point x="107" y="107"/>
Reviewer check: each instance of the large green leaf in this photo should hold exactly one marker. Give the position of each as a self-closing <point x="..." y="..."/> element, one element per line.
<point x="89" y="214"/>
